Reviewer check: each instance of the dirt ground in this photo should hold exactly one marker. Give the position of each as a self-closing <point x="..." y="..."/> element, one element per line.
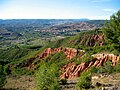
<point x="20" y="83"/>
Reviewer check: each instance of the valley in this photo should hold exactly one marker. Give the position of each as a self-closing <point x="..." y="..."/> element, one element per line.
<point x="58" y="54"/>
<point x="29" y="32"/>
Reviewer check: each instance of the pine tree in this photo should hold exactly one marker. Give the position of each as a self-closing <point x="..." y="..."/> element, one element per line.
<point x="111" y="30"/>
<point x="2" y="76"/>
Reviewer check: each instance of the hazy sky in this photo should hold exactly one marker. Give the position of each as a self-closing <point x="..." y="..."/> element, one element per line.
<point x="58" y="9"/>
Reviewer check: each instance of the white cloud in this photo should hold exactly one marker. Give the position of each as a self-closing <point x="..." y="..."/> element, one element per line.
<point x="109" y="10"/>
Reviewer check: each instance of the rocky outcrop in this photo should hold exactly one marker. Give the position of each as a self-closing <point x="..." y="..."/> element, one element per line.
<point x="49" y="51"/>
<point x="105" y="57"/>
<point x="90" y="40"/>
<point x="30" y="64"/>
<point x="95" y="39"/>
<point x="72" y="70"/>
<point x="69" y="52"/>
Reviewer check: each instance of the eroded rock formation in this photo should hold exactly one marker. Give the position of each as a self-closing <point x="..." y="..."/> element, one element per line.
<point x="69" y="52"/>
<point x="49" y="51"/>
<point x="95" y="39"/>
<point x="106" y="56"/>
<point x="72" y="70"/>
<point x="90" y="40"/>
<point x="30" y="63"/>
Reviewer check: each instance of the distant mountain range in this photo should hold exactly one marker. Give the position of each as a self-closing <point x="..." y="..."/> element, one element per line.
<point x="39" y="21"/>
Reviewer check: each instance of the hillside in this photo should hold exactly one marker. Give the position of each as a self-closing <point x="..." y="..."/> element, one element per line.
<point x="68" y="62"/>
<point x="68" y="54"/>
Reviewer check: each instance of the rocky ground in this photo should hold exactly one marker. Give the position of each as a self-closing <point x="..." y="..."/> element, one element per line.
<point x="99" y="82"/>
<point x="106" y="82"/>
<point x="20" y="83"/>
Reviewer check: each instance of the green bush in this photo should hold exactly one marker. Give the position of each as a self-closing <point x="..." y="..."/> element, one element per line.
<point x="94" y="70"/>
<point x="2" y="76"/>
<point x="87" y="58"/>
<point x="19" y="71"/>
<point x="84" y="81"/>
<point x="6" y="70"/>
<point x="107" y="68"/>
<point x="117" y="68"/>
<point x="47" y="77"/>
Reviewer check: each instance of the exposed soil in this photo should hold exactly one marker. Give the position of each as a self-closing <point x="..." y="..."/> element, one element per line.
<point x="20" y="83"/>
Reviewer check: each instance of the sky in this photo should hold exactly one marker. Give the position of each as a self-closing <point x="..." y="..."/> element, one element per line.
<point x="58" y="9"/>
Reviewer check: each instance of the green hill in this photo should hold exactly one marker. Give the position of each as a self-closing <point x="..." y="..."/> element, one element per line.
<point x="84" y="41"/>
<point x="26" y="60"/>
<point x="78" y="56"/>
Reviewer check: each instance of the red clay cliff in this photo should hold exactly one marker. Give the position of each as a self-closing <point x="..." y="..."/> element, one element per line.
<point x="72" y="70"/>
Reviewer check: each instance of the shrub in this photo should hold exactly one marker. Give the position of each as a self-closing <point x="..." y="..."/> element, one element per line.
<point x="47" y="77"/>
<point x="117" y="68"/>
<point x="2" y="76"/>
<point x="19" y="71"/>
<point x="94" y="69"/>
<point x="84" y="81"/>
<point x="87" y="58"/>
<point x="6" y="70"/>
<point x="107" y="68"/>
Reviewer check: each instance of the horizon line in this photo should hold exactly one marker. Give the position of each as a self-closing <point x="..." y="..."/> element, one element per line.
<point x="51" y="19"/>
